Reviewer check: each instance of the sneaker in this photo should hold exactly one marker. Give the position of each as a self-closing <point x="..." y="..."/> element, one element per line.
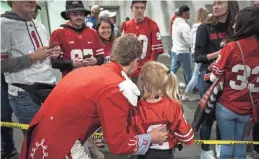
<point x="256" y="155"/>
<point x="218" y="150"/>
<point x="187" y="98"/>
<point x="96" y="153"/>
<point x="182" y="85"/>
<point x="207" y="155"/>
<point x="249" y="156"/>
<point x="252" y="155"/>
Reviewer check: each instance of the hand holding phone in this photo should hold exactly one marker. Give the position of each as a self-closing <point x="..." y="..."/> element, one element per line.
<point x="53" y="45"/>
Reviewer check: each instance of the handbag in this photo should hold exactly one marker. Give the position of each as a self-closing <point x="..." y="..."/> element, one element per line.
<point x="38" y="91"/>
<point x="255" y="109"/>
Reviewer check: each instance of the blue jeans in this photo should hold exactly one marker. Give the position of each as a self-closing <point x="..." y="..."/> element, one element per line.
<point x="24" y="108"/>
<point x="7" y="143"/>
<point x="232" y="127"/>
<point x="184" y="60"/>
<point x="194" y="79"/>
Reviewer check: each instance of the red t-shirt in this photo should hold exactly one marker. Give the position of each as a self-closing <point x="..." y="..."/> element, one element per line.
<point x="149" y="115"/>
<point x="148" y="34"/>
<point x="230" y="66"/>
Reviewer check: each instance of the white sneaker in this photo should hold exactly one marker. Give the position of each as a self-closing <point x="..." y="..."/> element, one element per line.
<point x="252" y="155"/>
<point x="218" y="150"/>
<point x="182" y="85"/>
<point x="207" y="155"/>
<point x="256" y="155"/>
<point x="249" y="155"/>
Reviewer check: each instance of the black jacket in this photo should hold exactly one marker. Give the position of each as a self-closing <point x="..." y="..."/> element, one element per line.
<point x="209" y="39"/>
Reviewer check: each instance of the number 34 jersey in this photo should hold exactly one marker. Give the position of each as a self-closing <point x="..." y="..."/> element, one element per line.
<point x="230" y="66"/>
<point x="77" y="44"/>
<point x="148" y="34"/>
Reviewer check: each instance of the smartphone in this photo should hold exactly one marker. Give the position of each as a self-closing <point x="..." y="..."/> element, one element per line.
<point x="53" y="45"/>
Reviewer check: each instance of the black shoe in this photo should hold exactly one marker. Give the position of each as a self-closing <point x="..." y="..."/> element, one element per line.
<point x="195" y="90"/>
<point x="10" y="155"/>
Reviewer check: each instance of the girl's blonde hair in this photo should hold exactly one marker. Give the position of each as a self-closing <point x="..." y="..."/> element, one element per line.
<point x="156" y="78"/>
<point x="202" y="15"/>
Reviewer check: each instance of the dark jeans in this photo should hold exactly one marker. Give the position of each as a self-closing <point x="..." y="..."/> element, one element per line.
<point x="24" y="107"/>
<point x="7" y="143"/>
<point x="157" y="154"/>
<point x="256" y="136"/>
<point x="205" y="130"/>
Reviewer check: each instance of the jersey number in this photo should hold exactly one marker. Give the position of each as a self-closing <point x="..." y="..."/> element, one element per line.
<point x="78" y="53"/>
<point x="242" y="78"/>
<point x="144" y="41"/>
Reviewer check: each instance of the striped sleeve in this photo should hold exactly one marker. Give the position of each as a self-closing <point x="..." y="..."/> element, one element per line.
<point x="157" y="46"/>
<point x="218" y="68"/>
<point x="183" y="131"/>
<point x="100" y="51"/>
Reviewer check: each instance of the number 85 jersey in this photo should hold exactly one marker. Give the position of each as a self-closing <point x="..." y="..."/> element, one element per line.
<point x="230" y="66"/>
<point x="148" y="34"/>
<point x="76" y="43"/>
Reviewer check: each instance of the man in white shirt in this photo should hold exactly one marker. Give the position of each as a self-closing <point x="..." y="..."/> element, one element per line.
<point x="182" y="42"/>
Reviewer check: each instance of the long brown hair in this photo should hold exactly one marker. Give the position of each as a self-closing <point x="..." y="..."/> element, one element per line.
<point x="233" y="8"/>
<point x="155" y="78"/>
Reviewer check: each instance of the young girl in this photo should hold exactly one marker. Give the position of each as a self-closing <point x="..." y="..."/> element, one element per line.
<point x="160" y="106"/>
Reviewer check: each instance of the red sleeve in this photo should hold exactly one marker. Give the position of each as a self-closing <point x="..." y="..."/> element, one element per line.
<point x="54" y="37"/>
<point x="122" y="27"/>
<point x="113" y="109"/>
<point x="157" y="46"/>
<point x="219" y="67"/>
<point x="98" y="44"/>
<point x="181" y="129"/>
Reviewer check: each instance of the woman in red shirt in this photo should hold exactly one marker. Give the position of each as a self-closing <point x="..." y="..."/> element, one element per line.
<point x="160" y="106"/>
<point x="105" y="29"/>
<point x="233" y="108"/>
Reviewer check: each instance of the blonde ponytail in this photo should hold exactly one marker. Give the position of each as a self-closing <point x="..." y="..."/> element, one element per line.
<point x="172" y="89"/>
<point x="155" y="78"/>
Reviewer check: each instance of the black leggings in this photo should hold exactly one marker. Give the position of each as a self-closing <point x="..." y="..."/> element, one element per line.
<point x="205" y="131"/>
<point x="157" y="154"/>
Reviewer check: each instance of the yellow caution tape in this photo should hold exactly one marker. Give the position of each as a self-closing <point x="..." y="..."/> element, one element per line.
<point x="100" y="136"/>
<point x="14" y="125"/>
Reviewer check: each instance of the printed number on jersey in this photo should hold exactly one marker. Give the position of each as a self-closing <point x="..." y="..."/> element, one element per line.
<point x="144" y="41"/>
<point x="241" y="82"/>
<point x="78" y="53"/>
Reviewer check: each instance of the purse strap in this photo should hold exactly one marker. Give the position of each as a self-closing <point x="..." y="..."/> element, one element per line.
<point x="243" y="57"/>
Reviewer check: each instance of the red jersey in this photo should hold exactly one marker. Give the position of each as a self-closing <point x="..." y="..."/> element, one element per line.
<point x="84" y="100"/>
<point x="235" y="95"/>
<point x="149" y="115"/>
<point x="76" y="44"/>
<point x="107" y="50"/>
<point x="148" y="34"/>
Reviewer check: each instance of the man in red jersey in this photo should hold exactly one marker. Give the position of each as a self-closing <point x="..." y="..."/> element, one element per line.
<point x="86" y="99"/>
<point x="80" y="45"/>
<point x="147" y="32"/>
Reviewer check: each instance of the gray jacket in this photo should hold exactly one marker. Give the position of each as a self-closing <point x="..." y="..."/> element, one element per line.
<point x="18" y="39"/>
